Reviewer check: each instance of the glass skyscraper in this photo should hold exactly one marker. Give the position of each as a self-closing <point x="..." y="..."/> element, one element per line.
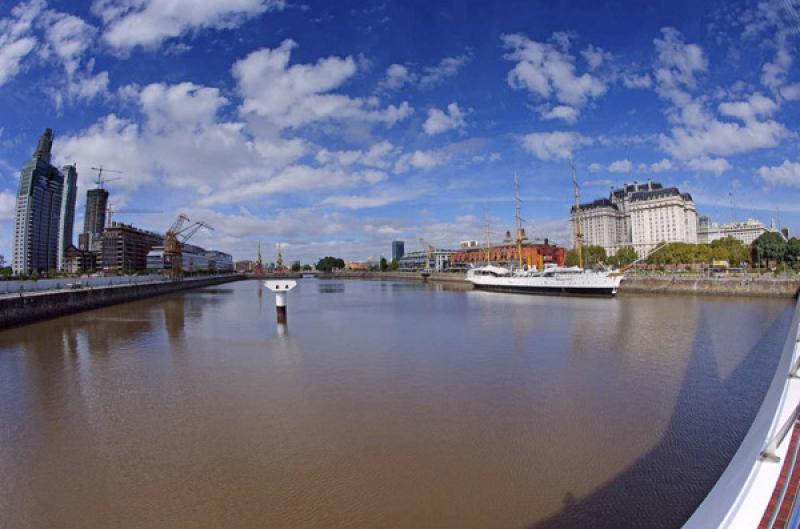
<point x="38" y="212"/>
<point x="67" y="216"/>
<point x="398" y="250"/>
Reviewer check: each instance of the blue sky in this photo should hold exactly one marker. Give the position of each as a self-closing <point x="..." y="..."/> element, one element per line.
<point x="336" y="127"/>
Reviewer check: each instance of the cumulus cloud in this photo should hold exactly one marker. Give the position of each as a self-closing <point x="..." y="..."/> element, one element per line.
<point x="378" y="198"/>
<point x="419" y="159"/>
<point x="710" y="165"/>
<point x="397" y="76"/>
<point x="620" y="166"/>
<point x="632" y="80"/>
<point x="547" y="70"/>
<point x="656" y="167"/>
<point x="786" y="174"/>
<point x="148" y="23"/>
<point x="698" y="134"/>
<point x="16" y="38"/>
<point x="439" y="121"/>
<point x="557" y="145"/>
<point x="293" y="96"/>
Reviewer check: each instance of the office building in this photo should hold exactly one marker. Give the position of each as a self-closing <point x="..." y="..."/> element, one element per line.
<point x="747" y="231"/>
<point x="417" y="261"/>
<point x="124" y="249"/>
<point x="638" y="215"/>
<point x="219" y="261"/>
<point x="67" y="215"/>
<point x="38" y="212"/>
<point x="77" y="261"/>
<point x="398" y="250"/>
<point x="94" y="221"/>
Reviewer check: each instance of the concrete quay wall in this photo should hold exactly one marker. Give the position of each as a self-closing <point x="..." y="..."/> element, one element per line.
<point x="718" y="286"/>
<point x="28" y="308"/>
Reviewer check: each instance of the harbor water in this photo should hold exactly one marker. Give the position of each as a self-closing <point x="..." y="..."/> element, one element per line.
<point x="381" y="404"/>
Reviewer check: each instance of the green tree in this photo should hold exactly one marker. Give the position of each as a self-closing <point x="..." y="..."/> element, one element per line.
<point x="296" y="266"/>
<point x="328" y="263"/>
<point x="383" y="264"/>
<point x="571" y="258"/>
<point x="770" y="246"/>
<point x="394" y="265"/>
<point x="793" y="251"/>
<point x="730" y="249"/>
<point x="624" y="256"/>
<point x="307" y="267"/>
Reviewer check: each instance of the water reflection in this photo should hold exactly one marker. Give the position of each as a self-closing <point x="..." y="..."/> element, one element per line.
<point x="419" y="404"/>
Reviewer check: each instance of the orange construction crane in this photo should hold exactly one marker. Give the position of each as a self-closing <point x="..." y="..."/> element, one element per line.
<point x="174" y="240"/>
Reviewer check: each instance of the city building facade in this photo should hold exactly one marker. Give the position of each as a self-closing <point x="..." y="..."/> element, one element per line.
<point x="638" y="215"/>
<point x="94" y="220"/>
<point x="418" y="261"/>
<point x="67" y="216"/>
<point x="747" y="231"/>
<point x="77" y="261"/>
<point x="533" y="254"/>
<point x="124" y="248"/>
<point x="219" y="261"/>
<point x="398" y="250"/>
<point x="38" y="211"/>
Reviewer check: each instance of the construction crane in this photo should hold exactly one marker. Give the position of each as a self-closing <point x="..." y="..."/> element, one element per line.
<point x="429" y="249"/>
<point x="100" y="180"/>
<point x="174" y="240"/>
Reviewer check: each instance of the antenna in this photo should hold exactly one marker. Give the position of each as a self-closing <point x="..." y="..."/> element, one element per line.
<point x="100" y="180"/>
<point x="520" y="236"/>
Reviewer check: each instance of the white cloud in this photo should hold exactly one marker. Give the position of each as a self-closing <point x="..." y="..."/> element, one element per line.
<point x="557" y="145"/>
<point x="547" y="70"/>
<point x="375" y="156"/>
<point x="563" y="112"/>
<point x="698" y="134"/>
<point x="791" y="92"/>
<point x="292" y="96"/>
<point x="439" y="121"/>
<point x="397" y="76"/>
<point x="711" y="165"/>
<point x="8" y="203"/>
<point x="754" y="107"/>
<point x="382" y="197"/>
<point x="632" y="80"/>
<point x="787" y="174"/>
<point x="620" y="166"/>
<point x="447" y="67"/>
<point x="418" y="159"/>
<point x="184" y="105"/>
<point x="148" y="23"/>
<point x="722" y="139"/>
<point x="657" y="167"/>
<point x="596" y="167"/>
<point x="16" y="38"/>
<point x="69" y="37"/>
<point x="595" y="57"/>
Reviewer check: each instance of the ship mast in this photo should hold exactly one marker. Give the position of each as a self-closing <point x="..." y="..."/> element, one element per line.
<point x="520" y="235"/>
<point x="578" y="230"/>
<point x="488" y="243"/>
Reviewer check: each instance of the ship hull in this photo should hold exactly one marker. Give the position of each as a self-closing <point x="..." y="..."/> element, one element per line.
<point x="549" y="290"/>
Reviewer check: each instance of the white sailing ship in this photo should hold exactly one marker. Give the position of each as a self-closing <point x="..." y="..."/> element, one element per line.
<point x="552" y="279"/>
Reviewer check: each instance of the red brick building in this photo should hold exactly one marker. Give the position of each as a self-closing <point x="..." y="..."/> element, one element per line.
<point x="532" y="254"/>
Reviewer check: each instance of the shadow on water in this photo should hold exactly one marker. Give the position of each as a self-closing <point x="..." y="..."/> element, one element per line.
<point x="704" y="431"/>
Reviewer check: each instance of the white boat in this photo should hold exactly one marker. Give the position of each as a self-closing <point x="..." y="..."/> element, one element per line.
<point x="553" y="280"/>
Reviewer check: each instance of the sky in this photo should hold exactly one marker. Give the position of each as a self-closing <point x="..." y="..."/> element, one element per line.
<point x="337" y="127"/>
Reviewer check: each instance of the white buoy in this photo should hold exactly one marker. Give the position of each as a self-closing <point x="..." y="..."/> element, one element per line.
<point x="280" y="287"/>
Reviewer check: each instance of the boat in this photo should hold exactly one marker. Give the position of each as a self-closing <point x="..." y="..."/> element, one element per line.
<point x="553" y="280"/>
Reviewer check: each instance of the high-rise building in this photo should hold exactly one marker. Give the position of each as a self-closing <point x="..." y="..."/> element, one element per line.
<point x="38" y="212"/>
<point x="67" y="215"/>
<point x="398" y="250"/>
<point x="95" y="218"/>
<point x="638" y="215"/>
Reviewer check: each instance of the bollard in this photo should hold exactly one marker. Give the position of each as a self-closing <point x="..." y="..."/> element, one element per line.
<point x="280" y="287"/>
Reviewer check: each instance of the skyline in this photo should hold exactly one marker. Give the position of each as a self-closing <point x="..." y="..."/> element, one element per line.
<point x="335" y="130"/>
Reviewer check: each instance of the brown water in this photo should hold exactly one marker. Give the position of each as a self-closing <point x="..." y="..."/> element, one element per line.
<point x="387" y="404"/>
